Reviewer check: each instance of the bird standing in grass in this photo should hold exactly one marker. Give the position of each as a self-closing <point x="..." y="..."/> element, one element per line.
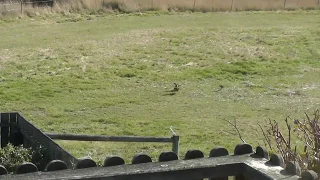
<point x="175" y="89"/>
<point x="220" y="88"/>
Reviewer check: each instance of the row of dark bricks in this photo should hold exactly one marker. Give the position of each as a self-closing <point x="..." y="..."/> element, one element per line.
<point x="292" y="168"/>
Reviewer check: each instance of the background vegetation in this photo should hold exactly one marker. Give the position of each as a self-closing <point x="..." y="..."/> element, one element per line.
<point x="13" y="7"/>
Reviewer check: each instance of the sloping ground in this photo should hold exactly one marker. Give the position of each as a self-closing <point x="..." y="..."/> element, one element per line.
<point x="109" y="75"/>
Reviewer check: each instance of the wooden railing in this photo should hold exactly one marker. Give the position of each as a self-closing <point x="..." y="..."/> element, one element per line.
<point x="244" y="164"/>
<point x="84" y="137"/>
<point x="17" y="130"/>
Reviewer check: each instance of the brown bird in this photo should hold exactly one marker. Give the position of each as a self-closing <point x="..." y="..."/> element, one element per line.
<point x="221" y="87"/>
<point x="176" y="88"/>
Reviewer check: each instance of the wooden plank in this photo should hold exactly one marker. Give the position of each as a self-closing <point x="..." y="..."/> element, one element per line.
<point x="175" y="144"/>
<point x="4" y="129"/>
<point x="173" y="170"/>
<point x="84" y="137"/>
<point x="13" y="127"/>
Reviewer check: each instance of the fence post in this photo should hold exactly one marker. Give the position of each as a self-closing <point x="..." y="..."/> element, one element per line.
<point x="284" y="4"/>
<point x="52" y="4"/>
<point x="4" y="129"/>
<point x="175" y="144"/>
<point x="12" y="126"/>
<point x="232" y="5"/>
<point x="15" y="135"/>
<point x="194" y="5"/>
<point x="21" y="7"/>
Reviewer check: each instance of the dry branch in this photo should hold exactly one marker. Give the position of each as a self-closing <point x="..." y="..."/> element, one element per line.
<point x="235" y="126"/>
<point x="308" y="131"/>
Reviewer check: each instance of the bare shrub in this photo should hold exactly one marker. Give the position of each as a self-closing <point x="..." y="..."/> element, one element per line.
<point x="307" y="153"/>
<point x="307" y="131"/>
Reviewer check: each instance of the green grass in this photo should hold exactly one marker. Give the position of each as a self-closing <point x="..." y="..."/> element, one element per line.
<point x="108" y="75"/>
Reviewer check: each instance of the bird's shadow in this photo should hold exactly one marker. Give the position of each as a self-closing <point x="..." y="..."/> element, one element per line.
<point x="169" y="94"/>
<point x="221" y="87"/>
<point x="218" y="90"/>
<point x="173" y="90"/>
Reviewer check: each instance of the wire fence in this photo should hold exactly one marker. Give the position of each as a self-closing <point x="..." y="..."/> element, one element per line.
<point x="141" y="5"/>
<point x="20" y="7"/>
<point x="219" y="5"/>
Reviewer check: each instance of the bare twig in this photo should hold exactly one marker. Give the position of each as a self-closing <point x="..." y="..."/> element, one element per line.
<point x="266" y="137"/>
<point x="289" y="129"/>
<point x="295" y="154"/>
<point x="235" y="126"/>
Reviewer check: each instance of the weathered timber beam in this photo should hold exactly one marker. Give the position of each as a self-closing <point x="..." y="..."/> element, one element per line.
<point x="173" y="170"/>
<point x="260" y="169"/>
<point x="84" y="137"/>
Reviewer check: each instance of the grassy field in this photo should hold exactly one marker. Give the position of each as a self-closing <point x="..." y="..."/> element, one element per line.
<point x="109" y="75"/>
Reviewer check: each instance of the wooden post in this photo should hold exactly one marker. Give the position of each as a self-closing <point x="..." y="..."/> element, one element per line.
<point x="52" y="3"/>
<point x="12" y="125"/>
<point x="175" y="144"/>
<point x="194" y="5"/>
<point x="212" y="5"/>
<point x="139" y="3"/>
<point x="15" y="136"/>
<point x="218" y="152"/>
<point x="4" y="129"/>
<point x="152" y="4"/>
<point x="232" y="5"/>
<point x="284" y="4"/>
<point x="21" y="2"/>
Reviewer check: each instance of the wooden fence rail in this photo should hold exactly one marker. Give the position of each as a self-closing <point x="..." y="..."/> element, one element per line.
<point x="18" y="131"/>
<point x="84" y="137"/>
